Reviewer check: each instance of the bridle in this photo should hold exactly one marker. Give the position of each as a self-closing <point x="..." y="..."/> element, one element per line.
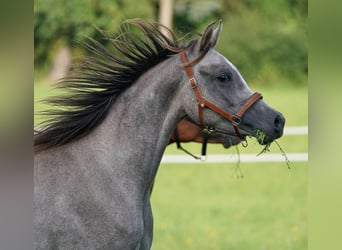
<point x="235" y="119"/>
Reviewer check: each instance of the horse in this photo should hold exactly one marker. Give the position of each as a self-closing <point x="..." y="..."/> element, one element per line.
<point x="97" y="155"/>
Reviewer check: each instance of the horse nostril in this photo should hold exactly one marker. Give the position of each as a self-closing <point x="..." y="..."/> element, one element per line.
<point x="279" y="122"/>
<point x="276" y="121"/>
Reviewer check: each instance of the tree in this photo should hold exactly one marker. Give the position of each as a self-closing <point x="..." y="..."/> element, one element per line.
<point x="166" y="13"/>
<point x="60" y="23"/>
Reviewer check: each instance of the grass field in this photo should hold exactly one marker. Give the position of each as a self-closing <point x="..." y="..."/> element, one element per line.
<point x="205" y="206"/>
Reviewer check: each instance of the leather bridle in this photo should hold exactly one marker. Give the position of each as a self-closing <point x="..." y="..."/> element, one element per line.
<point x="203" y="103"/>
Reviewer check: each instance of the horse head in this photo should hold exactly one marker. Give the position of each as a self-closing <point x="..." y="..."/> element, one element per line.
<point x="219" y="100"/>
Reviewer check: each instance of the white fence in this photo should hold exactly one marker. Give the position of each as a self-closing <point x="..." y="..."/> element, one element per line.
<point x="299" y="130"/>
<point x="268" y="157"/>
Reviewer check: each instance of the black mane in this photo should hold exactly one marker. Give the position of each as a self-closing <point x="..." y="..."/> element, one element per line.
<point x="95" y="82"/>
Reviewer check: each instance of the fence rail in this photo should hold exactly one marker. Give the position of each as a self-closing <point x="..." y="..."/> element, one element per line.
<point x="220" y="158"/>
<point x="298" y="130"/>
<point x="268" y="157"/>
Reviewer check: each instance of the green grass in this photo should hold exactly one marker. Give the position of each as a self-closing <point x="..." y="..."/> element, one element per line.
<point x="202" y="206"/>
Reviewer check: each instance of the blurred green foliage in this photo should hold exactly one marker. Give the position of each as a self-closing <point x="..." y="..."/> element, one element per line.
<point x="64" y="22"/>
<point x="265" y="39"/>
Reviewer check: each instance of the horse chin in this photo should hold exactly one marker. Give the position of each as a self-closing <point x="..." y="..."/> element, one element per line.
<point x="227" y="144"/>
<point x="231" y="141"/>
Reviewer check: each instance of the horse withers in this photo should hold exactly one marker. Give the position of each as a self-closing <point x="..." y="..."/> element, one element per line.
<point x="97" y="156"/>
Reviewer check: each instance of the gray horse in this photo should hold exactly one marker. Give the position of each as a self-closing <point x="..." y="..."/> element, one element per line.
<point x="97" y="156"/>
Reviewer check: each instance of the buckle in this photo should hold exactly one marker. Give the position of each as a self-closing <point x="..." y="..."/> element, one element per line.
<point x="209" y="130"/>
<point x="193" y="82"/>
<point x="236" y="120"/>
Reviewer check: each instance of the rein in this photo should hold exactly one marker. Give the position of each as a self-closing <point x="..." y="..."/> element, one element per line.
<point x="203" y="103"/>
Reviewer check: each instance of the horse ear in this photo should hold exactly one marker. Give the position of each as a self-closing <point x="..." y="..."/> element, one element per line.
<point x="210" y="35"/>
<point x="216" y="34"/>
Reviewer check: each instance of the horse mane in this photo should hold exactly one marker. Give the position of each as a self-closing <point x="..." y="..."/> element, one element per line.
<point x="94" y="83"/>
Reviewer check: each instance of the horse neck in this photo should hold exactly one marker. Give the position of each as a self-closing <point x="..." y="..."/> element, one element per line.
<point x="137" y="129"/>
<point x="152" y="106"/>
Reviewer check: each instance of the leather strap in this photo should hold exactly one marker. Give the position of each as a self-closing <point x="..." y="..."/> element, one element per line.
<point x="251" y="100"/>
<point x="179" y="146"/>
<point x="194" y="86"/>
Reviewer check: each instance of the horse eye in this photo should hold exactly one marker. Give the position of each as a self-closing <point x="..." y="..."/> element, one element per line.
<point x="224" y="77"/>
